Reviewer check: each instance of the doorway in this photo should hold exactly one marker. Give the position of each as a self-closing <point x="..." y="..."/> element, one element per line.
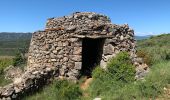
<point x="92" y="50"/>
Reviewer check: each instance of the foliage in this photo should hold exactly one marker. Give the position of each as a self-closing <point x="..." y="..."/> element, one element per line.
<point x="4" y="62"/>
<point x="19" y="58"/>
<point x="150" y="87"/>
<point x="98" y="72"/>
<point x="155" y="52"/>
<point x="157" y="47"/>
<point x="158" y="78"/>
<point x="58" y="90"/>
<point x="120" y="72"/>
<point x="3" y="81"/>
<point x="121" y="68"/>
<point x="147" y="58"/>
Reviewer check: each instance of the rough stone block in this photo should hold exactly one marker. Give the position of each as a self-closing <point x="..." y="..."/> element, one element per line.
<point x="78" y="65"/>
<point x="108" y="50"/>
<point x="77" y="50"/>
<point x="76" y="58"/>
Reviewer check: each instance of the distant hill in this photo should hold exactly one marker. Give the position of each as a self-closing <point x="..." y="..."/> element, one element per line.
<point x="142" y="37"/>
<point x="162" y="40"/>
<point x="11" y="42"/>
<point x="5" y="36"/>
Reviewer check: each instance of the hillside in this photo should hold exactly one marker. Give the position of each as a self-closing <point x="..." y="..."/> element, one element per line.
<point x="160" y="40"/>
<point x="156" y="48"/>
<point x="11" y="42"/>
<point x="142" y="37"/>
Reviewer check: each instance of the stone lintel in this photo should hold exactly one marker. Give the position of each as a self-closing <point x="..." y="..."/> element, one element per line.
<point x="92" y="37"/>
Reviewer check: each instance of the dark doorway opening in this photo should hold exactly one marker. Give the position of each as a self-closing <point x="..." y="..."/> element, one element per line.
<point x="92" y="50"/>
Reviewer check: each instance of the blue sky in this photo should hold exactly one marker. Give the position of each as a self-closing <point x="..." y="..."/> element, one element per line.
<point x="146" y="17"/>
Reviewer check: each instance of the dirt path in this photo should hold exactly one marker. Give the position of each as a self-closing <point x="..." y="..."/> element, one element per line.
<point x="85" y="85"/>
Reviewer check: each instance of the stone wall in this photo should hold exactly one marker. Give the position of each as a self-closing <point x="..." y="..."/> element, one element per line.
<point x="58" y="49"/>
<point x="28" y="82"/>
<point x="55" y="49"/>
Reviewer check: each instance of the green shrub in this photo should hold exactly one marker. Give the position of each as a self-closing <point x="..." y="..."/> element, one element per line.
<point x="109" y="86"/>
<point x="58" y="90"/>
<point x="147" y="58"/>
<point x="119" y="73"/>
<point x="19" y="58"/>
<point x="149" y="88"/>
<point x="155" y="81"/>
<point x="5" y="62"/>
<point x="121" y="68"/>
<point x="66" y="90"/>
<point x="167" y="54"/>
<point x="98" y="72"/>
<point x="158" y="51"/>
<point x="3" y="81"/>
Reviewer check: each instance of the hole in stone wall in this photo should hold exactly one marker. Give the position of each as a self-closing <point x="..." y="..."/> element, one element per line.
<point x="92" y="50"/>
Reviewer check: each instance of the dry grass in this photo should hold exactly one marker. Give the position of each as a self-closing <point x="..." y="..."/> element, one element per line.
<point x="6" y="57"/>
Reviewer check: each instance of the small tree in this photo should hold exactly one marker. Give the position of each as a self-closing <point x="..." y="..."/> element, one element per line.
<point x="19" y="58"/>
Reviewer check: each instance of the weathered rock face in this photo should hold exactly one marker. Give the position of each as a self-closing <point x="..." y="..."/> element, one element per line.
<point x="68" y="46"/>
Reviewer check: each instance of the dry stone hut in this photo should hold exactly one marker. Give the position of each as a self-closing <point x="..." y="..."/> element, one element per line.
<point x="71" y="46"/>
<point x="77" y="43"/>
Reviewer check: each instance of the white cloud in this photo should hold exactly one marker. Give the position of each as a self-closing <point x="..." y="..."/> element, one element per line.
<point x="144" y="33"/>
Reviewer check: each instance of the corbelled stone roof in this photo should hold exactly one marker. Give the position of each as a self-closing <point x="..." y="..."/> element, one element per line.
<point x="83" y="20"/>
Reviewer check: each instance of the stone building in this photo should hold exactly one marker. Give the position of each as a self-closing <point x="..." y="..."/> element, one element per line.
<point x="77" y="43"/>
<point x="72" y="46"/>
